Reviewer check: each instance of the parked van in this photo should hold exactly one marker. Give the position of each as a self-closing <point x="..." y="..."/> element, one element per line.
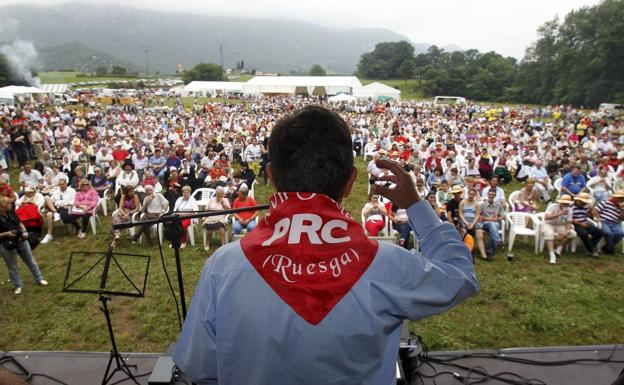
<point x="444" y="100"/>
<point x="611" y="108"/>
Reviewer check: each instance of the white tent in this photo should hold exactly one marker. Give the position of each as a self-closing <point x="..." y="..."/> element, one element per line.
<point x="60" y="88"/>
<point x="377" y="90"/>
<point x="301" y="85"/>
<point x="342" y="98"/>
<point x="201" y="88"/>
<point x="6" y="99"/>
<point x="20" y="90"/>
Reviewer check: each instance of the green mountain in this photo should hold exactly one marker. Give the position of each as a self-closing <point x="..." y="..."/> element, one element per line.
<point x="186" y="39"/>
<point x="78" y="57"/>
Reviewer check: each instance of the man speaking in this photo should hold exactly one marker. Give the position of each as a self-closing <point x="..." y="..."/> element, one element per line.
<point x="307" y="298"/>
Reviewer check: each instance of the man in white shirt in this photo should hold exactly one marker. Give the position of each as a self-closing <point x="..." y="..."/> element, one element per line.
<point x="500" y="193"/>
<point x="58" y="205"/>
<point x="140" y="162"/>
<point x="542" y="180"/>
<point x="103" y="158"/>
<point x="128" y="177"/>
<point x="154" y="205"/>
<point x="29" y="177"/>
<point x="206" y="164"/>
<point x="372" y="169"/>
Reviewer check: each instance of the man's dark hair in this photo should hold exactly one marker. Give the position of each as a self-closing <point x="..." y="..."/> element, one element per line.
<point x="311" y="151"/>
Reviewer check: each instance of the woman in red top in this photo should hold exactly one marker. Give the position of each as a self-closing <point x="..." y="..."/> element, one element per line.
<point x="244" y="220"/>
<point x="216" y="173"/>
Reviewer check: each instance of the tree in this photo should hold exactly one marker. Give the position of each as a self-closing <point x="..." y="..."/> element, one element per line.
<point x="118" y="70"/>
<point x="101" y="71"/>
<point x="203" y="71"/>
<point x="384" y="61"/>
<point x="579" y="61"/>
<point x="317" y="70"/>
<point x="406" y="69"/>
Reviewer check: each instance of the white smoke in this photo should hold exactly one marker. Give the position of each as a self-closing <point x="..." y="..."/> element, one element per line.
<point x="21" y="56"/>
<point x="22" y="59"/>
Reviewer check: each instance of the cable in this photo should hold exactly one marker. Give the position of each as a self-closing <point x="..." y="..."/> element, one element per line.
<point x="26" y="374"/>
<point x="499" y="356"/>
<point x="162" y="259"/>
<point x="477" y="374"/>
<point x="128" y="378"/>
<point x="49" y="378"/>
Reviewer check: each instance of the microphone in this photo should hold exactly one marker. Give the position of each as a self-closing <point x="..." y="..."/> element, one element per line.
<point x="177" y="216"/>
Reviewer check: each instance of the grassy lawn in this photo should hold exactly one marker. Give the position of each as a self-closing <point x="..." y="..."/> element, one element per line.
<point x="71" y="77"/>
<point x="410" y="89"/>
<point x="522" y="303"/>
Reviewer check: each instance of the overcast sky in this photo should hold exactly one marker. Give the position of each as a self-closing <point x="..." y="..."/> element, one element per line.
<point x="504" y="26"/>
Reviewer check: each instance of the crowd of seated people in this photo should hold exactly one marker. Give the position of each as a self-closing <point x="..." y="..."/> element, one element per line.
<point x="151" y="160"/>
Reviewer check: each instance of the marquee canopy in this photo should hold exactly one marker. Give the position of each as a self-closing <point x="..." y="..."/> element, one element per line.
<point x="301" y="85"/>
<point x="202" y="88"/>
<point x="55" y="88"/>
<point x="20" y="90"/>
<point x="377" y="90"/>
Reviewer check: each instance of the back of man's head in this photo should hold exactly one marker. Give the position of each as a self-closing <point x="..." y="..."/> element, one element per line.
<point x="311" y="151"/>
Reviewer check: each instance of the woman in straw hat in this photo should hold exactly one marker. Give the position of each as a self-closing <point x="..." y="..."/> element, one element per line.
<point x="589" y="234"/>
<point x="558" y="226"/>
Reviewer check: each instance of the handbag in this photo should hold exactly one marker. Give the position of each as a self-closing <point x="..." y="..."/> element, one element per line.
<point x="33" y="240"/>
<point x="10" y="244"/>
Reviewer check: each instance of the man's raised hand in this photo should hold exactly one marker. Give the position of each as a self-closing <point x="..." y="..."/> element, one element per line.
<point x="404" y="192"/>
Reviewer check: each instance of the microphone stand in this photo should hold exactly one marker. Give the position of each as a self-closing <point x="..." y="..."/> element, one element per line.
<point x="172" y="223"/>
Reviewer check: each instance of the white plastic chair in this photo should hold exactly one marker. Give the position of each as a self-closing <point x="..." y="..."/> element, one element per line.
<point x="205" y="232"/>
<point x="103" y="204"/>
<point x="157" y="228"/>
<point x="369" y="150"/>
<point x="94" y="219"/>
<point x="190" y="232"/>
<point x="517" y="226"/>
<point x="540" y="217"/>
<point x="512" y="197"/>
<point x="203" y="195"/>
<point x="384" y="230"/>
<point x="557" y="185"/>
<point x="252" y="189"/>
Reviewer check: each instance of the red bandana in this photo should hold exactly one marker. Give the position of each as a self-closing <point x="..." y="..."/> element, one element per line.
<point x="310" y="251"/>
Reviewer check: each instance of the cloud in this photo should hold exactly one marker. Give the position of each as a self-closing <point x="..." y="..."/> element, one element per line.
<point x="505" y="26"/>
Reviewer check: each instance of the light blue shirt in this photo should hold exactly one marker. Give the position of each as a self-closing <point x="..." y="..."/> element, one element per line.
<point x="238" y="331"/>
<point x="538" y="173"/>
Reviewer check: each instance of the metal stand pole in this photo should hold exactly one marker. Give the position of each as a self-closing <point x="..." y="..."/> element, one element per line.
<point x="120" y="364"/>
<point x="174" y="232"/>
<point x="180" y="281"/>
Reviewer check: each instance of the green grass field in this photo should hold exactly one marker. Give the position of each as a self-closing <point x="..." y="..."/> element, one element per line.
<point x="71" y="77"/>
<point x="522" y="303"/>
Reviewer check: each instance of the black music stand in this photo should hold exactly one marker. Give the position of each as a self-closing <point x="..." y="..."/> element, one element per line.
<point x="172" y="224"/>
<point x="88" y="265"/>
